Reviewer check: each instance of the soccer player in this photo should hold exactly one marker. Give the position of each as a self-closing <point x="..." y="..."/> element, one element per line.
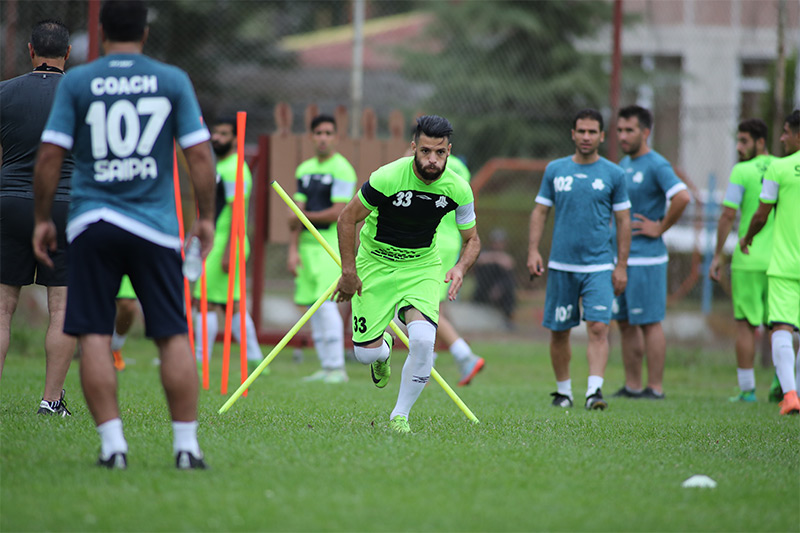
<point x="25" y="102"/>
<point x="781" y="189"/>
<point x="398" y="267"/>
<point x="218" y="267"/>
<point x="325" y="183"/>
<point x="585" y="189"/>
<point x="651" y="183"/>
<point x="748" y="271"/>
<point x="127" y="308"/>
<point x="120" y="116"/>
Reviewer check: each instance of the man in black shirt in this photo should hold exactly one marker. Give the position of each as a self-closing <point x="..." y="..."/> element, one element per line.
<point x="25" y="103"/>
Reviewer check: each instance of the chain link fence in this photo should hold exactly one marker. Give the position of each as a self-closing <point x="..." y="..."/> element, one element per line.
<point x="509" y="75"/>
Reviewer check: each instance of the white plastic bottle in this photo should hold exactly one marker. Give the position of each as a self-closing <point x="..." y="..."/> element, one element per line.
<point x="193" y="264"/>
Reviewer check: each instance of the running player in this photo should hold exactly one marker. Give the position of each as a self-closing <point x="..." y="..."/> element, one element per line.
<point x="639" y="310"/>
<point x="585" y="189"/>
<point x="781" y="189"/>
<point x="748" y="271"/>
<point x="398" y="268"/>
<point x="120" y="115"/>
<point x="218" y="267"/>
<point x="325" y="183"/>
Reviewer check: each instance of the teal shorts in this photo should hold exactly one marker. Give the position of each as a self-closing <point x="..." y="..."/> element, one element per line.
<point x="317" y="270"/>
<point x="749" y="295"/>
<point x="389" y="287"/>
<point x="784" y="301"/>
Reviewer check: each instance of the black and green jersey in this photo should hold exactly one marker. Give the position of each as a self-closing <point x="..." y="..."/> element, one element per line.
<point x="406" y="212"/>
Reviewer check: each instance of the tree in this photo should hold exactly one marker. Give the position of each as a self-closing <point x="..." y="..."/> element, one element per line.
<point x="508" y="74"/>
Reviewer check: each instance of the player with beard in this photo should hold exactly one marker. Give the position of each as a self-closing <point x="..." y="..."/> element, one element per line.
<point x="218" y="267"/>
<point x="398" y="267"/>
<point x="585" y="190"/>
<point x="748" y="271"/>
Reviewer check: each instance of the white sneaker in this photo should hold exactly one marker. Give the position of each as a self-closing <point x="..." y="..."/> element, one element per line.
<point x="336" y="376"/>
<point x="319" y="375"/>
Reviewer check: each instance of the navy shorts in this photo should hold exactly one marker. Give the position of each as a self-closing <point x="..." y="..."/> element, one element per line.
<point x="645" y="298"/>
<point x="594" y="290"/>
<point x="98" y="258"/>
<point x="18" y="265"/>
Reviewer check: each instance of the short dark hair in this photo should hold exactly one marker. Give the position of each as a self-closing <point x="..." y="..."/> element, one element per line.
<point x="322" y="119"/>
<point x="433" y="126"/>
<point x="793" y="120"/>
<point x="589" y="113"/>
<point x="755" y="127"/>
<point x="644" y="116"/>
<point x="50" y="38"/>
<point x="124" y="20"/>
<point x="230" y="120"/>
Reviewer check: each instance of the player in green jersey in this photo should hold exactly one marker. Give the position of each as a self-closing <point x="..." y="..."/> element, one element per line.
<point x="748" y="271"/>
<point x="325" y="183"/>
<point x="781" y="189"/>
<point x="398" y="268"/>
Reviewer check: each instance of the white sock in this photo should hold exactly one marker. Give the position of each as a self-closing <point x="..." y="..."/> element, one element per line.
<point x="367" y="356"/>
<point x="111" y="438"/>
<point x="460" y="350"/>
<point x="253" y="349"/>
<point x="212" y="323"/>
<point x="593" y="383"/>
<point x="783" y="358"/>
<point x="564" y="388"/>
<point x="417" y="368"/>
<point x="747" y="379"/>
<point x="332" y="336"/>
<point x="117" y="341"/>
<point x="185" y="438"/>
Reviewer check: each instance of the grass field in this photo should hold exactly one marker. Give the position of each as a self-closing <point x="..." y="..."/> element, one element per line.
<point x="312" y="457"/>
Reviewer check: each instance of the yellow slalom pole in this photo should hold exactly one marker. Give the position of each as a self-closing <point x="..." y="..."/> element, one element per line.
<point x="399" y="332"/>
<point x="278" y="347"/>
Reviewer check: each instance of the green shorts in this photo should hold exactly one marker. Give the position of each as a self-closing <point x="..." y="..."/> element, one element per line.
<point x="216" y="279"/>
<point x="449" y="255"/>
<point x="386" y="288"/>
<point x="317" y="270"/>
<point x="749" y="294"/>
<point x="126" y="291"/>
<point x="784" y="301"/>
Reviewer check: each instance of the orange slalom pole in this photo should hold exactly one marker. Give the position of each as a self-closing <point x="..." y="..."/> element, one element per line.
<point x="179" y="210"/>
<point x="241" y="122"/>
<point x="226" y="351"/>
<point x="204" y="324"/>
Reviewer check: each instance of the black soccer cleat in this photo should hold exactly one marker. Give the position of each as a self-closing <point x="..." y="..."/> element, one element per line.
<point x="650" y="394"/>
<point x="188" y="461"/>
<point x="561" y="400"/>
<point x="115" y="461"/>
<point x="57" y="407"/>
<point x="625" y="392"/>
<point x="596" y="401"/>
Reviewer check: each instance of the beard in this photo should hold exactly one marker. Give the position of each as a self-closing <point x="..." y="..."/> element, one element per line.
<point x="429" y="174"/>
<point x="221" y="149"/>
<point x="746" y="156"/>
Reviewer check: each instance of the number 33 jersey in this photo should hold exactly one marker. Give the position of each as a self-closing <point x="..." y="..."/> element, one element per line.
<point x="119" y="115"/>
<point x="406" y="212"/>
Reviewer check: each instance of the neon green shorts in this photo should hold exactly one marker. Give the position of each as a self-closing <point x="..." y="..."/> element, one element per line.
<point x="386" y="288"/>
<point x="749" y="294"/>
<point x="449" y="255"/>
<point x="317" y="270"/>
<point x="126" y="291"/>
<point x="216" y="279"/>
<point x="784" y="301"/>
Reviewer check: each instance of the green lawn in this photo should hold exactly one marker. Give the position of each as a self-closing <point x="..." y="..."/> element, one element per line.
<point x="313" y="457"/>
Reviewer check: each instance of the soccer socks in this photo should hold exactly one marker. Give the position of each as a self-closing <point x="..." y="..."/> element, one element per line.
<point x="747" y="379"/>
<point x="783" y="358"/>
<point x="117" y="341"/>
<point x="367" y="356"/>
<point x="460" y="350"/>
<point x="253" y="349"/>
<point x="185" y="438"/>
<point x="564" y="388"/>
<point x="111" y="438"/>
<point x="417" y="368"/>
<point x="212" y="323"/>
<point x="328" y="334"/>
<point x="593" y="383"/>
